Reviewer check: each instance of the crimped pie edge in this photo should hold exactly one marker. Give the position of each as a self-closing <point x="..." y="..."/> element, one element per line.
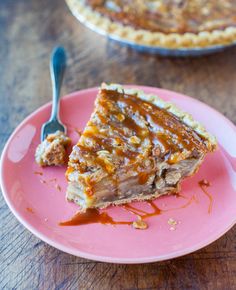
<point x="154" y="39"/>
<point x="186" y="118"/>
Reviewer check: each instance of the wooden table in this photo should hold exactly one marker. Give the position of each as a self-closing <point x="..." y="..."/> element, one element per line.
<point x="29" y="30"/>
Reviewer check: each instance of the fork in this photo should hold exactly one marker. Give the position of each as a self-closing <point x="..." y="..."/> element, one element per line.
<point x="57" y="69"/>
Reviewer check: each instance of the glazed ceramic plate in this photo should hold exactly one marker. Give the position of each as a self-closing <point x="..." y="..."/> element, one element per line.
<point x="36" y="196"/>
<point x="181" y="52"/>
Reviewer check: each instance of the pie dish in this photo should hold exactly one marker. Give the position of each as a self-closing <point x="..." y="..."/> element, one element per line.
<point x="134" y="147"/>
<point x="170" y="24"/>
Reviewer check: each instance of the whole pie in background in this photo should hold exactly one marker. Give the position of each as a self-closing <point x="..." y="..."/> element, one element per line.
<point x="171" y="24"/>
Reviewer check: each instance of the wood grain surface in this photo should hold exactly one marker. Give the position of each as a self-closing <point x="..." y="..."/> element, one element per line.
<point x="28" y="32"/>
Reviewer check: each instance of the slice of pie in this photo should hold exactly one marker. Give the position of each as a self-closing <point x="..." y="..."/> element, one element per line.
<point x="134" y="147"/>
<point x="161" y="23"/>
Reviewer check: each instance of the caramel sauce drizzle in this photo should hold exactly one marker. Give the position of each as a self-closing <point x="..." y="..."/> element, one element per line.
<point x="69" y="170"/>
<point x="104" y="143"/>
<point x="58" y="187"/>
<point x="78" y="131"/>
<point x="95" y="216"/>
<point x="127" y="122"/>
<point x="185" y="137"/>
<point x="141" y="213"/>
<point x="203" y="184"/>
<point x="179" y="195"/>
<point x="190" y="201"/>
<point x="38" y="173"/>
<point x="164" y="129"/>
<point x="92" y="216"/>
<point x="131" y="124"/>
<point x="29" y="209"/>
<point x="143" y="177"/>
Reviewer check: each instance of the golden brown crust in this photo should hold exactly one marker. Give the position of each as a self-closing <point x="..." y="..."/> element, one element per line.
<point x="147" y="38"/>
<point x="132" y="199"/>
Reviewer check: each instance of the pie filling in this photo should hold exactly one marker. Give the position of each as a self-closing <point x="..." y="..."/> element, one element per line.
<point x="134" y="147"/>
<point x="168" y="16"/>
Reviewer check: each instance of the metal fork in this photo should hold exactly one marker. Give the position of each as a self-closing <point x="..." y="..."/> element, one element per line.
<point x="57" y="69"/>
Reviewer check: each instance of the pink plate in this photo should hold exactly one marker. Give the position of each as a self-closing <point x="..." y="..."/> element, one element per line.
<point x="39" y="204"/>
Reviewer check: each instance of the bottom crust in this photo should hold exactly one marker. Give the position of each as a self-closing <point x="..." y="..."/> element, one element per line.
<point x="141" y="197"/>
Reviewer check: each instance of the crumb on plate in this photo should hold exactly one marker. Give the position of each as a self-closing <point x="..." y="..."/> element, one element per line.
<point x="173" y="223"/>
<point x="140" y="224"/>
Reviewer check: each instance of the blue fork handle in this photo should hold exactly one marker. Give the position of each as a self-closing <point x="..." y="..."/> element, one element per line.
<point x="57" y="69"/>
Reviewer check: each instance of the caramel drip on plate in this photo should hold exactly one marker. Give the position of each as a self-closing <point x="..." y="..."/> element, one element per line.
<point x="190" y="201"/>
<point x="78" y="131"/>
<point x="29" y="209"/>
<point x="144" y="214"/>
<point x="203" y="184"/>
<point x="38" y="173"/>
<point x="92" y="216"/>
<point x="179" y="195"/>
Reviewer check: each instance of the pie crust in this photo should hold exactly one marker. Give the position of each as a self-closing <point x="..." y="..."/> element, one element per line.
<point x="126" y="33"/>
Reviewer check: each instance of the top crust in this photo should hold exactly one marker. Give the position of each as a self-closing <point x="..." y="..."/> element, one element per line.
<point x="209" y="140"/>
<point x="126" y="33"/>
